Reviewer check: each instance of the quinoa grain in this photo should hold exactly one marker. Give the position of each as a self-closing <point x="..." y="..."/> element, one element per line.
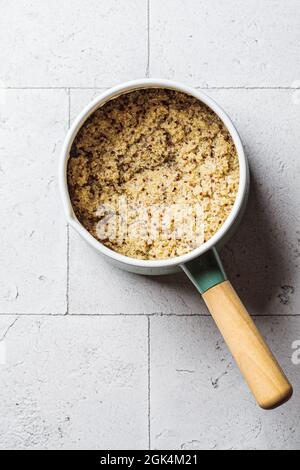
<point x="153" y="146"/>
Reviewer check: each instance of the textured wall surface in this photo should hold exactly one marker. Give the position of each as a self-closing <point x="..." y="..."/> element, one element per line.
<point x="92" y="357"/>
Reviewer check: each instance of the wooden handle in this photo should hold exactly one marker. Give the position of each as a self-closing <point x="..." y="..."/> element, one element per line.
<point x="262" y="372"/>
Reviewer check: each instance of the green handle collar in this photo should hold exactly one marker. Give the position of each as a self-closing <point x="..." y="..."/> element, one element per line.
<point x="206" y="271"/>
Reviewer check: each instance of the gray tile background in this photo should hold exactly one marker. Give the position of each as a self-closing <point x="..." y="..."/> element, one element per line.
<point x="92" y="357"/>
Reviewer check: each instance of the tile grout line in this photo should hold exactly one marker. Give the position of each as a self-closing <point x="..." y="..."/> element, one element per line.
<point x="69" y="108"/>
<point x="246" y="87"/>
<point x="148" y="40"/>
<point x="148" y="317"/>
<point x="287" y="88"/>
<point x="55" y="88"/>
<point x="68" y="228"/>
<point x="149" y="382"/>
<point x="132" y="315"/>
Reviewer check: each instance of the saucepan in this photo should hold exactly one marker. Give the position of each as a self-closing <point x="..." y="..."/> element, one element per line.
<point x="203" y="266"/>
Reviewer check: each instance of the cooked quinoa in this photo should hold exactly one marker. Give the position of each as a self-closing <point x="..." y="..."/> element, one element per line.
<point x="153" y="147"/>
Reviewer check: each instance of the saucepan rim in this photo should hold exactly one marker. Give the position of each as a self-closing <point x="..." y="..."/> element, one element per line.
<point x="107" y="95"/>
